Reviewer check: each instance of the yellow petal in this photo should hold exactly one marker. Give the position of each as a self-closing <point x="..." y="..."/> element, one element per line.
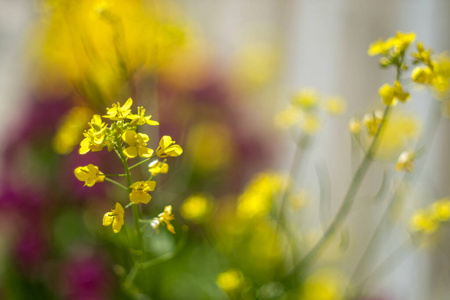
<point x="129" y="137"/>
<point x="108" y="219"/>
<point x="130" y="152"/>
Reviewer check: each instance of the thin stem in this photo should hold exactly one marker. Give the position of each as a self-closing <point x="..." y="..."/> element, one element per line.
<point x="142" y="162"/>
<point x="121" y="175"/>
<point x="346" y="204"/>
<point x="116" y="183"/>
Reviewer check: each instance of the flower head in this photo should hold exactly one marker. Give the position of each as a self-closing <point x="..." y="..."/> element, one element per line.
<point x="424" y="221"/>
<point x="139" y="191"/>
<point x="94" y="138"/>
<point x="137" y="143"/>
<point x="158" y="167"/>
<point x="354" y="126"/>
<point x="307" y="98"/>
<point x="167" y="147"/>
<point x="390" y="94"/>
<point x="405" y="161"/>
<point x="141" y="119"/>
<point x="89" y="174"/>
<point x="196" y="207"/>
<point x="372" y="121"/>
<point x="441" y="209"/>
<point x="114" y="217"/>
<point x="117" y="113"/>
<point x="380" y="47"/>
<point x="230" y="280"/>
<point x="334" y="105"/>
<point x="165" y="217"/>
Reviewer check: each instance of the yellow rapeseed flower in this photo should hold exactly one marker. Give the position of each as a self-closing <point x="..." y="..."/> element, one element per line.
<point x="423" y="75"/>
<point x="286" y="118"/>
<point x="380" y="47"/>
<point x="354" y="125"/>
<point x="390" y="94"/>
<point x="139" y="191"/>
<point x="230" y="280"/>
<point x="115" y="217"/>
<point x="372" y="121"/>
<point x="94" y="138"/>
<point x="422" y="54"/>
<point x="310" y="123"/>
<point x="90" y="174"/>
<point x="140" y="118"/>
<point x="402" y="40"/>
<point x="441" y="209"/>
<point x="158" y="167"/>
<point x="196" y="207"/>
<point x="334" y="105"/>
<point x="165" y="217"/>
<point x="306" y="98"/>
<point x="117" y="112"/>
<point x="424" y="221"/>
<point x="137" y="143"/>
<point x="167" y="147"/>
<point x="405" y="161"/>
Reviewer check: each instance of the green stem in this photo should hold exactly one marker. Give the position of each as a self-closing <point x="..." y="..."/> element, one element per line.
<point x="121" y="175"/>
<point x="346" y="204"/>
<point x="142" y="162"/>
<point x="116" y="183"/>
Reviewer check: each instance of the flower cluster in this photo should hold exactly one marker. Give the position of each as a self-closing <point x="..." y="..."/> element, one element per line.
<point x="304" y="110"/>
<point x="122" y="137"/>
<point x="434" y="72"/>
<point x="427" y="220"/>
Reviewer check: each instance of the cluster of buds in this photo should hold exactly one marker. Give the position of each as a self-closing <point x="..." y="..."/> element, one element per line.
<point x="122" y="137"/>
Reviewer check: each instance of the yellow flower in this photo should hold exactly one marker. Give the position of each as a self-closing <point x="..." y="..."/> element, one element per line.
<point x="167" y="147"/>
<point x="139" y="191"/>
<point x="164" y="217"/>
<point x="310" y="123"/>
<point x="115" y="217"/>
<point x="117" y="113"/>
<point x="422" y="54"/>
<point x="422" y="75"/>
<point x="230" y="280"/>
<point x="307" y="98"/>
<point x="94" y="137"/>
<point x="354" y="126"/>
<point x="137" y="143"/>
<point x="323" y="285"/>
<point x="424" y="221"/>
<point x="390" y="95"/>
<point x="195" y="207"/>
<point x="68" y="134"/>
<point x="372" y="121"/>
<point x="158" y="167"/>
<point x="380" y="47"/>
<point x="405" y="161"/>
<point x="89" y="174"/>
<point x="286" y="118"/>
<point x="256" y="201"/>
<point x="140" y="118"/>
<point x="402" y="40"/>
<point x="334" y="105"/>
<point x="441" y="209"/>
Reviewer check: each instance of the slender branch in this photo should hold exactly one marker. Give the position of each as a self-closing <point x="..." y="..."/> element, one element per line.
<point x="142" y="162"/>
<point x="121" y="175"/>
<point x="116" y="183"/>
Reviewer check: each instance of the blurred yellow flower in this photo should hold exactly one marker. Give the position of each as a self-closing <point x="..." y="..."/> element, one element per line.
<point x="90" y="174"/>
<point x="167" y="147"/>
<point x="158" y="167"/>
<point x="424" y="221"/>
<point x="323" y="285"/>
<point x="380" y="47"/>
<point x="230" y="280"/>
<point x="334" y="105"/>
<point x="390" y="94"/>
<point x="306" y="99"/>
<point x="70" y="130"/>
<point x="310" y="123"/>
<point x="372" y="121"/>
<point x="422" y="54"/>
<point x="441" y="209"/>
<point x="165" y="217"/>
<point x="137" y="143"/>
<point x="115" y="217"/>
<point x="139" y="191"/>
<point x="423" y="75"/>
<point x="402" y="40"/>
<point x="256" y="201"/>
<point x="354" y="126"/>
<point x="405" y="161"/>
<point x="286" y="118"/>
<point x="196" y="207"/>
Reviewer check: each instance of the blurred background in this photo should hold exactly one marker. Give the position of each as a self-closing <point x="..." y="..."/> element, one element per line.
<point x="215" y="74"/>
